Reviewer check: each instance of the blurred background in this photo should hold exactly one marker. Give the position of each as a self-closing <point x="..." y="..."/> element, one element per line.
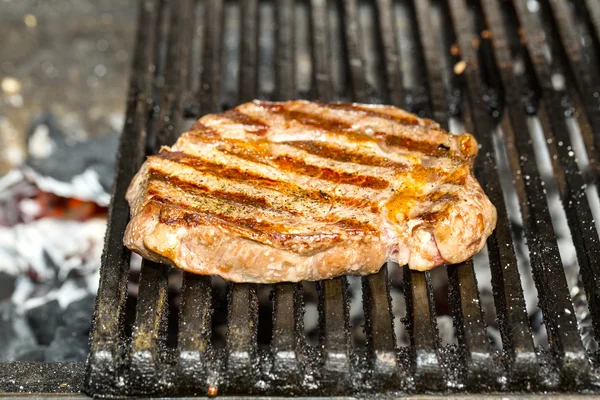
<point x="64" y="69"/>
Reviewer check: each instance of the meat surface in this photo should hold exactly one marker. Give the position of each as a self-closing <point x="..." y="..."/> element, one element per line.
<point x="273" y="192"/>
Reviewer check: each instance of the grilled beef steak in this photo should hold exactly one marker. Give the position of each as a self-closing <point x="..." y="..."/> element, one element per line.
<point x="272" y="192"/>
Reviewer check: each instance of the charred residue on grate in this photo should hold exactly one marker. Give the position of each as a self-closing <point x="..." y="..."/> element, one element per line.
<point x="477" y="63"/>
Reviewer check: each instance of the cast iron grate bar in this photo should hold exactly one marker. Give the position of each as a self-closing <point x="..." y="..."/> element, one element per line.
<point x="242" y="321"/>
<point x="194" y="336"/>
<point x="571" y="182"/>
<point x="376" y="299"/>
<point x="333" y="307"/>
<point x="285" y="70"/>
<point x="106" y="341"/>
<point x="593" y="7"/>
<point x="321" y="68"/>
<point x="391" y="52"/>
<point x="287" y="330"/>
<point x="210" y="81"/>
<point x="587" y="80"/>
<point x="241" y="348"/>
<point x="194" y="349"/>
<point x="248" y="76"/>
<point x="149" y="330"/>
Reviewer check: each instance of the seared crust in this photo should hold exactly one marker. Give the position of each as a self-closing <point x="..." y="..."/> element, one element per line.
<point x="272" y="192"/>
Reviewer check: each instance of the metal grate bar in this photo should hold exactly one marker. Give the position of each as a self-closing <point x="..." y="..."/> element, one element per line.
<point x="147" y="345"/>
<point x="285" y="70"/>
<point x="510" y="305"/>
<point x="354" y="60"/>
<point x="248" y="75"/>
<point x="571" y="185"/>
<point x="334" y="330"/>
<point x="470" y="328"/>
<point x="209" y="97"/>
<point x="587" y="80"/>
<point x="242" y="322"/>
<point x="194" y="344"/>
<point x="379" y="326"/>
<point x="593" y="7"/>
<point x="431" y="51"/>
<point x="321" y="78"/>
<point x="485" y="166"/>
<point x="378" y="310"/>
<point x="420" y="313"/>
<point x="333" y="308"/>
<point x="287" y="331"/>
<point x="242" y="325"/>
<point x="391" y="53"/>
<point x="194" y="347"/>
<point x="160" y="38"/>
<point x="286" y="301"/>
<point x="112" y="290"/>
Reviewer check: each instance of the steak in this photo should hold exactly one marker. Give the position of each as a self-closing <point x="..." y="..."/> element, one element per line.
<point x="272" y="192"/>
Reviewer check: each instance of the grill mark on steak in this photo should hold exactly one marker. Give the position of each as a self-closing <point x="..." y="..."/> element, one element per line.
<point x="422" y="146"/>
<point x="251" y="124"/>
<point x="203" y="190"/>
<point x="238" y="175"/>
<point x="403" y="120"/>
<point x="193" y="216"/>
<point x="339" y="126"/>
<point x="288" y="163"/>
<point x="342" y="154"/>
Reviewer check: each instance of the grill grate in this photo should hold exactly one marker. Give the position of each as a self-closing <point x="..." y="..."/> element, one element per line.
<point x="162" y="94"/>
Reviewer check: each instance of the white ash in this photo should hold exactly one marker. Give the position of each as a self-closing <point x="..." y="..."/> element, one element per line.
<point x="49" y="251"/>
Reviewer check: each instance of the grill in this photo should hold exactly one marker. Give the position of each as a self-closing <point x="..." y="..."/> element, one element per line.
<point x="493" y="64"/>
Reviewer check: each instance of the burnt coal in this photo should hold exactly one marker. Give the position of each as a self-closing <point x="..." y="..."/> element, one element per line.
<point x="7" y="285"/>
<point x="70" y="341"/>
<point x="44" y="321"/>
<point x="15" y="334"/>
<point x="78" y="315"/>
<point x="68" y="345"/>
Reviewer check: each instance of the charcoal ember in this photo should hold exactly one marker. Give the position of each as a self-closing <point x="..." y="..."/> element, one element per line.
<point x="78" y="315"/>
<point x="37" y="353"/>
<point x="44" y="321"/>
<point x="16" y="337"/>
<point x="68" y="345"/>
<point x="7" y="285"/>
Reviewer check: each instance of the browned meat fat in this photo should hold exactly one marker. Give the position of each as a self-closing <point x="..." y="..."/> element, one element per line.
<point x="272" y="192"/>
